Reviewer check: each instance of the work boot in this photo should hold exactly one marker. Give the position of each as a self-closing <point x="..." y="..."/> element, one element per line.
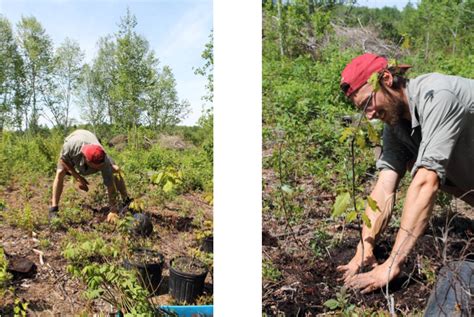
<point x="53" y="212"/>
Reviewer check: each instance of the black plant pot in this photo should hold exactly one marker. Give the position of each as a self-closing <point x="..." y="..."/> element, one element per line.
<point x="186" y="286"/>
<point x="142" y="225"/>
<point x="207" y="244"/>
<point x="149" y="268"/>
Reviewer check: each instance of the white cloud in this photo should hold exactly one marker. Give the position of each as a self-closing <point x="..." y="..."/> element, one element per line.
<point x="190" y="31"/>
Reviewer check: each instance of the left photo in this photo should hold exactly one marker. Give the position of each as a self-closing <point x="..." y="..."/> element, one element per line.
<point x="106" y="158"/>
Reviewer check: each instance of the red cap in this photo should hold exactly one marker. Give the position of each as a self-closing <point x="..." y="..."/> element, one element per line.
<point x="359" y="70"/>
<point x="93" y="153"/>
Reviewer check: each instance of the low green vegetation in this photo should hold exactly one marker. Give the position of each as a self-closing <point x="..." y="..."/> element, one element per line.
<point x="318" y="151"/>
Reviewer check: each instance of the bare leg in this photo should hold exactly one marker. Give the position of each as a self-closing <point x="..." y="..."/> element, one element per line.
<point x="58" y="185"/>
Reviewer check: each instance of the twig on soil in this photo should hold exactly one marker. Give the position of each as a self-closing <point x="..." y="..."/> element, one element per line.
<point x="40" y="254"/>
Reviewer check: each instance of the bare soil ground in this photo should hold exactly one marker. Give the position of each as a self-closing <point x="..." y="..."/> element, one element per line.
<point x="51" y="290"/>
<point x="307" y="254"/>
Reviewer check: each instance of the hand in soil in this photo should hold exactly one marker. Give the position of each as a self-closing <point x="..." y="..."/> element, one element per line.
<point x="83" y="184"/>
<point x="377" y="278"/>
<point x="112" y="217"/>
<point x="352" y="268"/>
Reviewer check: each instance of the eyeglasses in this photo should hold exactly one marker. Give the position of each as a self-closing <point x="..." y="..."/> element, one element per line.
<point x="367" y="102"/>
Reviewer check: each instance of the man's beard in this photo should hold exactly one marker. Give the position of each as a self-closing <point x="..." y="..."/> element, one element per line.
<point x="394" y="113"/>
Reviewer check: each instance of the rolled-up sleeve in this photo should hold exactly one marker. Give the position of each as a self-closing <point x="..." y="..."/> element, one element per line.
<point x="442" y="119"/>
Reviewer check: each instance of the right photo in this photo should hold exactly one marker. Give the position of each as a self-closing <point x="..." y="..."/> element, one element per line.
<point x="368" y="145"/>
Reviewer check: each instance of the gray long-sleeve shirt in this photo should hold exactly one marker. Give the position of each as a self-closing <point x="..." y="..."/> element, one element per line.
<point x="440" y="136"/>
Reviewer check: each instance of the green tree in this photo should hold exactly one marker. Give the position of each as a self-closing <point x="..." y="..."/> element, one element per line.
<point x="133" y="75"/>
<point x="91" y="98"/>
<point x="10" y="73"/>
<point x="67" y="69"/>
<point x="207" y="70"/>
<point x="164" y="108"/>
<point x="35" y="47"/>
<point x="439" y="27"/>
<point x="102" y="76"/>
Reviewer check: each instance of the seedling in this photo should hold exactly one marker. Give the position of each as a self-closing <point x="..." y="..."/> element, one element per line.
<point x="5" y="276"/>
<point x="341" y="303"/>
<point x="269" y="271"/>
<point x="168" y="179"/>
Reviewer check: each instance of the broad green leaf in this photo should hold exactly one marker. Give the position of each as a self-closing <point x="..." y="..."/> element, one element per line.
<point x="392" y="62"/>
<point x="374" y="81"/>
<point x="372" y="204"/>
<point x="168" y="187"/>
<point x="157" y="178"/>
<point x="360" y="140"/>
<point x="360" y="204"/>
<point x="366" y="220"/>
<point x="341" y="204"/>
<point x="351" y="216"/>
<point x="373" y="135"/>
<point x="331" y="304"/>
<point x="346" y="133"/>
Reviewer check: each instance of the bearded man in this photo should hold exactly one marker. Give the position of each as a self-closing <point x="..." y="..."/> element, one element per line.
<point x="429" y="131"/>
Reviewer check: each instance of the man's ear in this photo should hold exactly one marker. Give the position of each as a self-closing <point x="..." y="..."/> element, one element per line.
<point x="387" y="78"/>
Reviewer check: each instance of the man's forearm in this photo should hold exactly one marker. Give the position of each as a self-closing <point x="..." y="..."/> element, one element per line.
<point x="384" y="195"/>
<point x="416" y="213"/>
<point x="71" y="170"/>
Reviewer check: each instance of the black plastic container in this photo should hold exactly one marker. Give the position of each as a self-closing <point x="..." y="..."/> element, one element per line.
<point x="149" y="272"/>
<point x="142" y="225"/>
<point x="207" y="244"/>
<point x="185" y="286"/>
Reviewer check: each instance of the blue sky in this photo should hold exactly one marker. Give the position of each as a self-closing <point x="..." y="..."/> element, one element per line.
<point x="399" y="4"/>
<point x="176" y="30"/>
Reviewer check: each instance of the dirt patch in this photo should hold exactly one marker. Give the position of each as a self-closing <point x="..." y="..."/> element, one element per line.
<point x="173" y="142"/>
<point x="119" y="142"/>
<point x="65" y="293"/>
<point x="306" y="255"/>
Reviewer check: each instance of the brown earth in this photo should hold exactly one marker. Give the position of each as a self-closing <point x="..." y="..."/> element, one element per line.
<point x="52" y="291"/>
<point x="308" y="252"/>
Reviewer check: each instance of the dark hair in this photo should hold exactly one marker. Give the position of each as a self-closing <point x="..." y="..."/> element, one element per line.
<point x="399" y="80"/>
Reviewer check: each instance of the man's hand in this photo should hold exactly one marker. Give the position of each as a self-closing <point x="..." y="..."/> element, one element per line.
<point x="380" y="276"/>
<point x="113" y="216"/>
<point x="83" y="184"/>
<point x="351" y="268"/>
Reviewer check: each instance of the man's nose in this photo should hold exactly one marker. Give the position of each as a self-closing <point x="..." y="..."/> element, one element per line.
<point x="370" y="113"/>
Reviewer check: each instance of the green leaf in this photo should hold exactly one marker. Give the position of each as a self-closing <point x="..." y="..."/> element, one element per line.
<point x="374" y="81"/>
<point x="360" y="204"/>
<point x="346" y="133"/>
<point x="341" y="204"/>
<point x="360" y="140"/>
<point x="366" y="220"/>
<point x="351" y="216"/>
<point x="156" y="179"/>
<point x="373" y="135"/>
<point x="168" y="187"/>
<point x="331" y="304"/>
<point x="372" y="204"/>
